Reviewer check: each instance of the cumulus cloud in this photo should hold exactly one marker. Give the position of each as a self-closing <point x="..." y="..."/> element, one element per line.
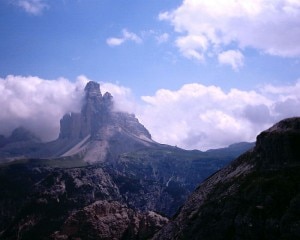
<point x="123" y="97"/>
<point x="204" y="117"/>
<point x="207" y="27"/>
<point x="193" y="117"/>
<point x="37" y="104"/>
<point x="192" y="46"/>
<point x="126" y="36"/>
<point x="34" y="7"/>
<point x="233" y="58"/>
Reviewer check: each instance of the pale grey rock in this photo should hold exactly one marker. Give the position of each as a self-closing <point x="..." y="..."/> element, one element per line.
<point x="107" y="133"/>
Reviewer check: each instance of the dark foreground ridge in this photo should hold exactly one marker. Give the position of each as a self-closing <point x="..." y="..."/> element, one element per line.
<point x="256" y="197"/>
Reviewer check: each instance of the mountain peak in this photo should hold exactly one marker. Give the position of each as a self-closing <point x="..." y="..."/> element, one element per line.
<point x="289" y="124"/>
<point x="92" y="89"/>
<point x="98" y="130"/>
<point x="279" y="145"/>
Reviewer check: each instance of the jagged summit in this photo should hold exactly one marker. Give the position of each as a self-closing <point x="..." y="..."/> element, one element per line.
<point x="94" y="101"/>
<point x="98" y="131"/>
<point x="92" y="89"/>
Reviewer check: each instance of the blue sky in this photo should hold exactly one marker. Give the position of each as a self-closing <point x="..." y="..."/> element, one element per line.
<point x="152" y="52"/>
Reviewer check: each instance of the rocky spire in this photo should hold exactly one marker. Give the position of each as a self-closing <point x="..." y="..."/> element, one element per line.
<point x="92" y="89"/>
<point x="94" y="101"/>
<point x="102" y="129"/>
<point x="95" y="113"/>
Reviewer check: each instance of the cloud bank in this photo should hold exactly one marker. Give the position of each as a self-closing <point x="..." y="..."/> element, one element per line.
<point x="37" y="104"/>
<point x="193" y="117"/>
<point x="207" y="28"/>
<point x="204" y="117"/>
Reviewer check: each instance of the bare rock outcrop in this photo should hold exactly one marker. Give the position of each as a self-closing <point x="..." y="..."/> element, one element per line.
<point x="110" y="221"/>
<point x="98" y="131"/>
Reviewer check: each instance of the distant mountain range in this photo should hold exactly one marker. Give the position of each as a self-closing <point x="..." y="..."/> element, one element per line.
<point x="105" y="178"/>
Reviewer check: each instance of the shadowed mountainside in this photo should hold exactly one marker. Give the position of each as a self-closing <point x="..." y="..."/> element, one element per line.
<point x="256" y="197"/>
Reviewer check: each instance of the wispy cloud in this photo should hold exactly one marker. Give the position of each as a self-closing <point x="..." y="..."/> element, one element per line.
<point x="162" y="38"/>
<point x="34" y="7"/>
<point x="206" y="28"/>
<point x="126" y="36"/>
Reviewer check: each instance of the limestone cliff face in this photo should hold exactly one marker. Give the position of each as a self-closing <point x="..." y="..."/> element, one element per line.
<point x="98" y="131"/>
<point x="94" y="114"/>
<point x="256" y="197"/>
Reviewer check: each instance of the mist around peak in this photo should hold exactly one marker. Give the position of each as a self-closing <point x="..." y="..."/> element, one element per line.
<point x="37" y="104"/>
<point x="194" y="116"/>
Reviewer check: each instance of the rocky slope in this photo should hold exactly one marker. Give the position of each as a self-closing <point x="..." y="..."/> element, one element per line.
<point x="109" y="220"/>
<point x="38" y="193"/>
<point x="76" y="203"/>
<point x="256" y="197"/>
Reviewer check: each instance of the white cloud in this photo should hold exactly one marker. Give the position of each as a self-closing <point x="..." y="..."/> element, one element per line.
<point x="115" y="41"/>
<point x="233" y="58"/>
<point x="123" y="97"/>
<point x="37" y="104"/>
<point x="193" y="117"/>
<point x="126" y="36"/>
<point x="34" y="7"/>
<point x="272" y="27"/>
<point x="203" y="117"/>
<point x="192" y="46"/>
<point x="131" y="36"/>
